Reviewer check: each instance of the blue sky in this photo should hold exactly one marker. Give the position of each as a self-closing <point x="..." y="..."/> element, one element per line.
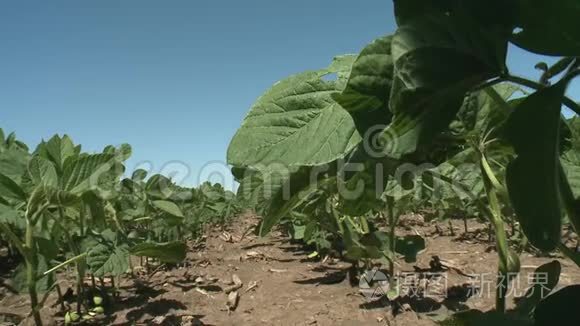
<point x="172" y="78"/>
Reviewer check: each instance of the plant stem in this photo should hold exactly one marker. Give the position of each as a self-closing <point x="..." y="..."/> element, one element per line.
<point x="82" y="220"/>
<point x="452" y="232"/>
<point x="78" y="261"/>
<point x="79" y="295"/>
<point x="60" y="298"/>
<point x="67" y="262"/>
<point x="31" y="271"/>
<point x="505" y="267"/>
<point x="392" y="238"/>
<point x="535" y="85"/>
<point x="113" y="286"/>
<point x="488" y="83"/>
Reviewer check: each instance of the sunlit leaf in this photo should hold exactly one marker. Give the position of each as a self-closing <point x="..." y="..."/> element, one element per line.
<point x="296" y="110"/>
<point x="168" y="207"/>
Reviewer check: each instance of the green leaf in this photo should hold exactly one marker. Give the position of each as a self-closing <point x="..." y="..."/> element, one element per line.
<point x="168" y="207"/>
<point x="341" y="65"/>
<point x="545" y="279"/>
<point x="366" y="96"/>
<point x="438" y="58"/>
<point x="409" y="246"/>
<point x="499" y="14"/>
<point x="560" y="308"/>
<point x="493" y="109"/>
<point x="251" y="187"/>
<point x="370" y="75"/>
<point x="47" y="248"/>
<point x="296" y="110"/>
<point x="42" y="196"/>
<point x="124" y="152"/>
<point x="96" y="208"/>
<point x="13" y="163"/>
<point x="406" y="10"/>
<point x="57" y="149"/>
<point x="86" y="172"/>
<point x="569" y="186"/>
<point x="10" y="189"/>
<point x="298" y="233"/>
<point x="43" y="284"/>
<point x="42" y="172"/>
<point x="159" y="186"/>
<point x="363" y="181"/>
<point x="288" y="192"/>
<point x="533" y="177"/>
<point x="139" y="175"/>
<point x="11" y="216"/>
<point x="105" y="260"/>
<point x="549" y="27"/>
<point x="373" y="245"/>
<point x="170" y="252"/>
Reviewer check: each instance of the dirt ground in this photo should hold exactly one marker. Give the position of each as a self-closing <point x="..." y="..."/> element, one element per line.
<point x="282" y="286"/>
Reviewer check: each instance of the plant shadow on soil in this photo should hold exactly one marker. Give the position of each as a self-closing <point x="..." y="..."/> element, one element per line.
<point x="281" y="286"/>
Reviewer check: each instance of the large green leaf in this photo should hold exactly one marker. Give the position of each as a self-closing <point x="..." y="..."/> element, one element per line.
<point x="549" y="27"/>
<point x="159" y="186"/>
<point x="57" y="149"/>
<point x="42" y="196"/>
<point x="43" y="283"/>
<point x="406" y="10"/>
<point x="493" y="109"/>
<point x="13" y="163"/>
<point x="341" y="66"/>
<point x="42" y="172"/>
<point x="366" y="96"/>
<point x="169" y="252"/>
<point x="560" y="308"/>
<point x="438" y="58"/>
<point x="286" y="193"/>
<point x="11" y="216"/>
<point x="86" y="172"/>
<point x="295" y="123"/>
<point x="168" y="207"/>
<point x="362" y="181"/>
<point x="105" y="259"/>
<point x="10" y="189"/>
<point x="532" y="178"/>
<point x="250" y="187"/>
<point x="545" y="279"/>
<point x="499" y="15"/>
<point x="48" y="248"/>
<point x="96" y="208"/>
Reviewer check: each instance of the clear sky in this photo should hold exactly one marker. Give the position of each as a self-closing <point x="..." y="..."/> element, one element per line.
<point x="173" y="78"/>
